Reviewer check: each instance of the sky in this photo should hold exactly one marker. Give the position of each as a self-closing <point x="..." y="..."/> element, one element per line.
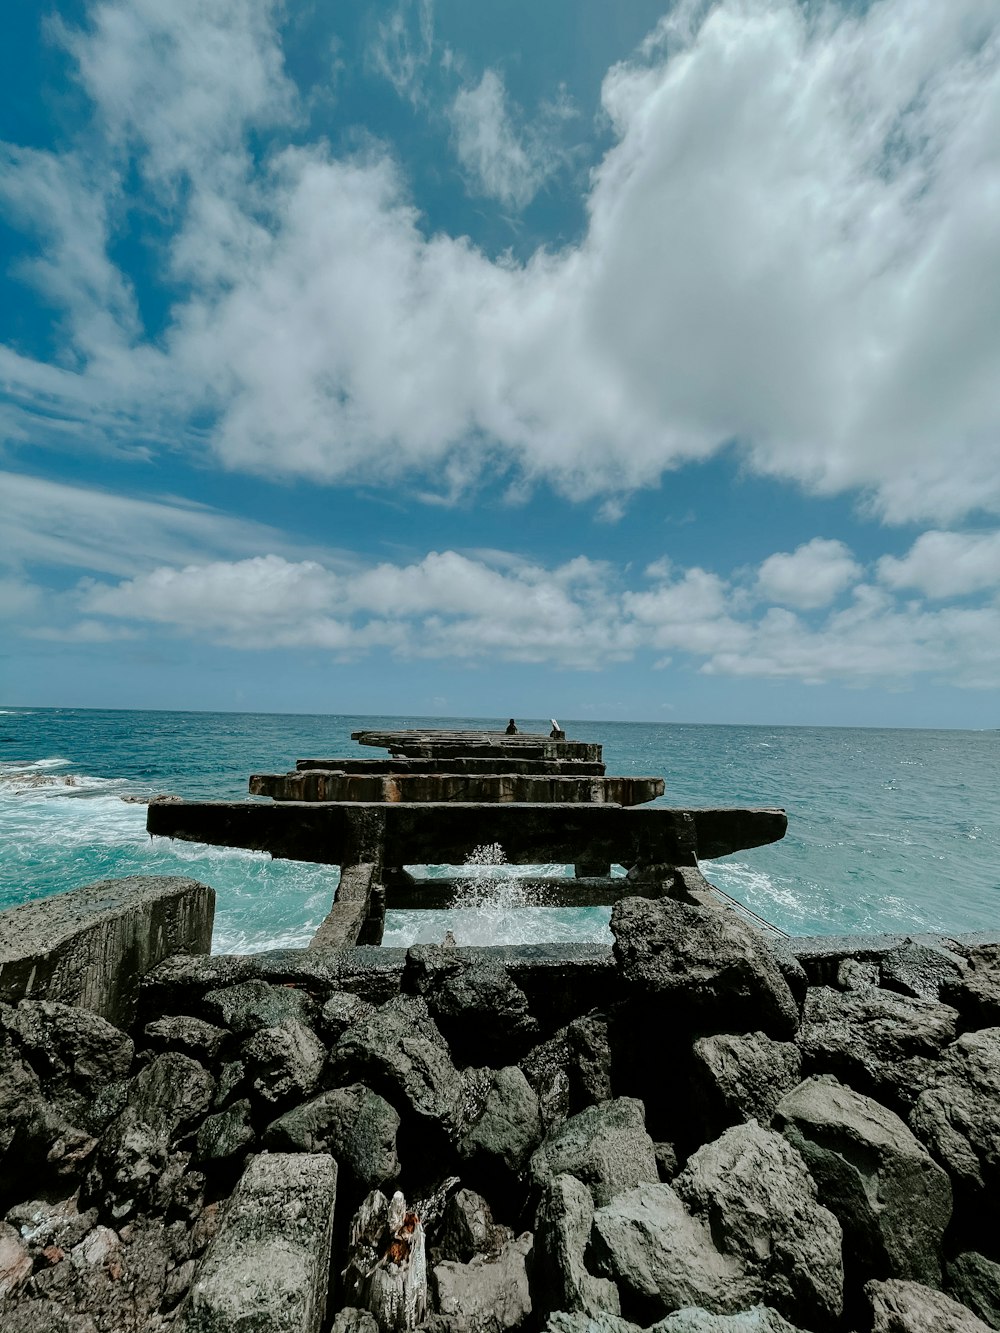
<point x="605" y="361"/>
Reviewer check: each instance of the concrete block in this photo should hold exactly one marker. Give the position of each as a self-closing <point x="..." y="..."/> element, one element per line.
<point x="91" y="946"/>
<point x="267" y="1268"/>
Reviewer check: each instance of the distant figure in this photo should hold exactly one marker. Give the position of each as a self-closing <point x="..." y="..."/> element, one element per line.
<point x="557" y="733"/>
<point x="511" y="728"/>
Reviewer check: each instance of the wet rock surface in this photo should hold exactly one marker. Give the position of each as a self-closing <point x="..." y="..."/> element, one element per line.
<point x="715" y="1144"/>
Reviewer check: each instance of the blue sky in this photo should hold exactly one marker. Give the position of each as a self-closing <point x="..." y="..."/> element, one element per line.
<point x="606" y="361"/>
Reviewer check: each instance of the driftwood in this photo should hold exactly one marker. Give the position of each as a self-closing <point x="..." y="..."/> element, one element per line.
<point x="386" y="1272"/>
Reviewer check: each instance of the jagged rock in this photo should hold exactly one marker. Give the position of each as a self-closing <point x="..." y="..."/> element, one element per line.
<point x="15" y="1261"/>
<point x="467" y="1228"/>
<point x="340" y="1011"/>
<point x="400" y="1052"/>
<point x="703" y="967"/>
<point x="753" y="1190"/>
<point x="20" y="1095"/>
<point x="892" y="1200"/>
<point x="547" y="1068"/>
<point x="354" y="1125"/>
<point x="231" y="1078"/>
<point x="354" y="1321"/>
<point x="958" y="1117"/>
<point x="42" y="1224"/>
<point x="666" y="1160"/>
<point x="857" y="974"/>
<point x="920" y="970"/>
<point x="605" y="1146"/>
<point x="661" y="1258"/>
<point x="976" y="995"/>
<point x="743" y="1077"/>
<point x="510" y="1127"/>
<point x="192" y="1036"/>
<point x="760" y="1319"/>
<point x="487" y="1295"/>
<point x="563" y="1222"/>
<point x="481" y="1011"/>
<point x="975" y="1281"/>
<point x="908" y="1307"/>
<point x="283" y="1062"/>
<point x="250" y="1005"/>
<point x="564" y="1322"/>
<point x="590" y="1050"/>
<point x="225" y="1135"/>
<point x="46" y="1316"/>
<point x="882" y="1044"/>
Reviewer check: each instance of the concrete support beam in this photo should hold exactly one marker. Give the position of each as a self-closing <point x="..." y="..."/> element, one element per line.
<point x="452" y="744"/>
<point x="268" y="1266"/>
<point x="533" y="788"/>
<point x="498" y="763"/>
<point x="544" y="891"/>
<point x="358" y="912"/>
<point x="91" y="946"/>
<point x="445" y="834"/>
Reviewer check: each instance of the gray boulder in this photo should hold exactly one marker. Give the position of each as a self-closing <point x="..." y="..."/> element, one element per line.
<point x="250" y="1005"/>
<point x="958" y="1117"/>
<point x="467" y="1228"/>
<point x="705" y="967"/>
<point x="399" y="1051"/>
<point x="354" y="1321"/>
<point x="975" y="1281"/>
<point x="510" y="1127"/>
<point x="562" y="1321"/>
<point x="920" y="970"/>
<point x="976" y="994"/>
<point x="892" y="1200"/>
<point x="486" y="1295"/>
<point x="354" y="1125"/>
<point x="225" y="1135"/>
<point x="661" y="1258"/>
<point x="182" y="1032"/>
<point x="571" y="1069"/>
<point x="481" y="1011"/>
<point x="563" y="1222"/>
<point x="340" y="1011"/>
<point x="754" y="1192"/>
<point x="743" y="1077"/>
<point x="882" y="1044"/>
<point x="758" y="1320"/>
<point x="283" y="1062"/>
<point x="605" y="1146"/>
<point x="908" y="1307"/>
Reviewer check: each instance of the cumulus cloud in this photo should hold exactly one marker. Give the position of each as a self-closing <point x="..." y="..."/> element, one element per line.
<point x="793" y="243"/>
<point x="946" y="564"/>
<point x="812" y="575"/>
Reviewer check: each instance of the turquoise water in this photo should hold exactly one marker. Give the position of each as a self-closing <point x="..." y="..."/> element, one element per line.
<point x="888" y="830"/>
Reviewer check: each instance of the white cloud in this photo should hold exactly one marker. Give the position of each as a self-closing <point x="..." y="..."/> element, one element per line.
<point x="500" y="161"/>
<point x="946" y="564"/>
<point x="403" y="46"/>
<point x="792" y="243"/>
<point x="810" y="576"/>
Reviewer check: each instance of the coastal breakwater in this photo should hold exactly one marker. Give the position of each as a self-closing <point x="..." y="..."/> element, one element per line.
<point x="699" y="1128"/>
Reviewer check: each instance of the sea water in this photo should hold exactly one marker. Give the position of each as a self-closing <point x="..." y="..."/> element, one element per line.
<point x="888" y="830"/>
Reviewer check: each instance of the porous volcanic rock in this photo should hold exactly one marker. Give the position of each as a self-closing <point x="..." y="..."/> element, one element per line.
<point x="510" y="1126"/>
<point x="891" y="1198"/>
<point x="480" y="1010"/>
<point x="908" y="1307"/>
<point x="354" y="1125"/>
<point x="920" y="970"/>
<point x="605" y="1146"/>
<point x="976" y="994"/>
<point x="743" y="1077"/>
<point x="283" y="1062"/>
<point x="760" y="1319"/>
<point x="467" y="1228"/>
<point x="191" y="1036"/>
<point x="975" y="1281"/>
<point x="226" y="1134"/>
<point x="563" y="1222"/>
<point x="249" y="1005"/>
<point x="958" y="1117"/>
<point x="486" y="1295"/>
<point x="701" y="966"/>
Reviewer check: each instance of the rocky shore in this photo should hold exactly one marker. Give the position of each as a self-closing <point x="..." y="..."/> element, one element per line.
<point x="699" y="1130"/>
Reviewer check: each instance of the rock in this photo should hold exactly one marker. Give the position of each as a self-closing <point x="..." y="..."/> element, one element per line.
<point x="250" y="1005"/>
<point x="753" y="1190"/>
<point x="283" y="1062"/>
<point x="172" y="1091"/>
<point x="662" y="1259"/>
<point x="231" y="1079"/>
<point x="857" y="974"/>
<point x="563" y="1222"/>
<point x="46" y="1316"/>
<point x="481" y="1011"/>
<point x="354" y="1125"/>
<point x="42" y="1224"/>
<point x="95" y="1249"/>
<point x="760" y="1319"/>
<point x="882" y="1044"/>
<point x="908" y="1307"/>
<point x="976" y="995"/>
<point x="354" y="1321"/>
<point x="192" y="1036"/>
<point x="226" y="1135"/>
<point x="20" y="1098"/>
<point x="547" y="1068"/>
<point x="892" y="1200"/>
<point x="564" y="1322"/>
<point x="399" y="1052"/>
<point x="920" y="970"/>
<point x="975" y="1281"/>
<point x="958" y="1118"/>
<point x="510" y="1127"/>
<point x="487" y="1295"/>
<point x="704" y="968"/>
<point x="743" y="1077"/>
<point x="267" y="1267"/>
<point x="340" y="1011"/>
<point x="467" y="1228"/>
<point x="606" y="1147"/>
<point x="15" y="1261"/>
<point x="666" y="1160"/>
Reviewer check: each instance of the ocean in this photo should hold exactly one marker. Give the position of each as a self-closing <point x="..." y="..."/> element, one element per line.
<point x="888" y="830"/>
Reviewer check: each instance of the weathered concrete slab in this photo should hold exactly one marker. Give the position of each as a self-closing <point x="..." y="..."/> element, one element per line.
<point x="531" y="788"/>
<point x="446" y="834"/>
<point x="358" y="911"/>
<point x="431" y="744"/>
<point x="268" y="1266"/>
<point x="496" y="763"/>
<point x="540" y="891"/>
<point x="91" y="946"/>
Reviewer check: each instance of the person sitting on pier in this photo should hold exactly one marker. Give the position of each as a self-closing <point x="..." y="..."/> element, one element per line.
<point x="511" y="728"/>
